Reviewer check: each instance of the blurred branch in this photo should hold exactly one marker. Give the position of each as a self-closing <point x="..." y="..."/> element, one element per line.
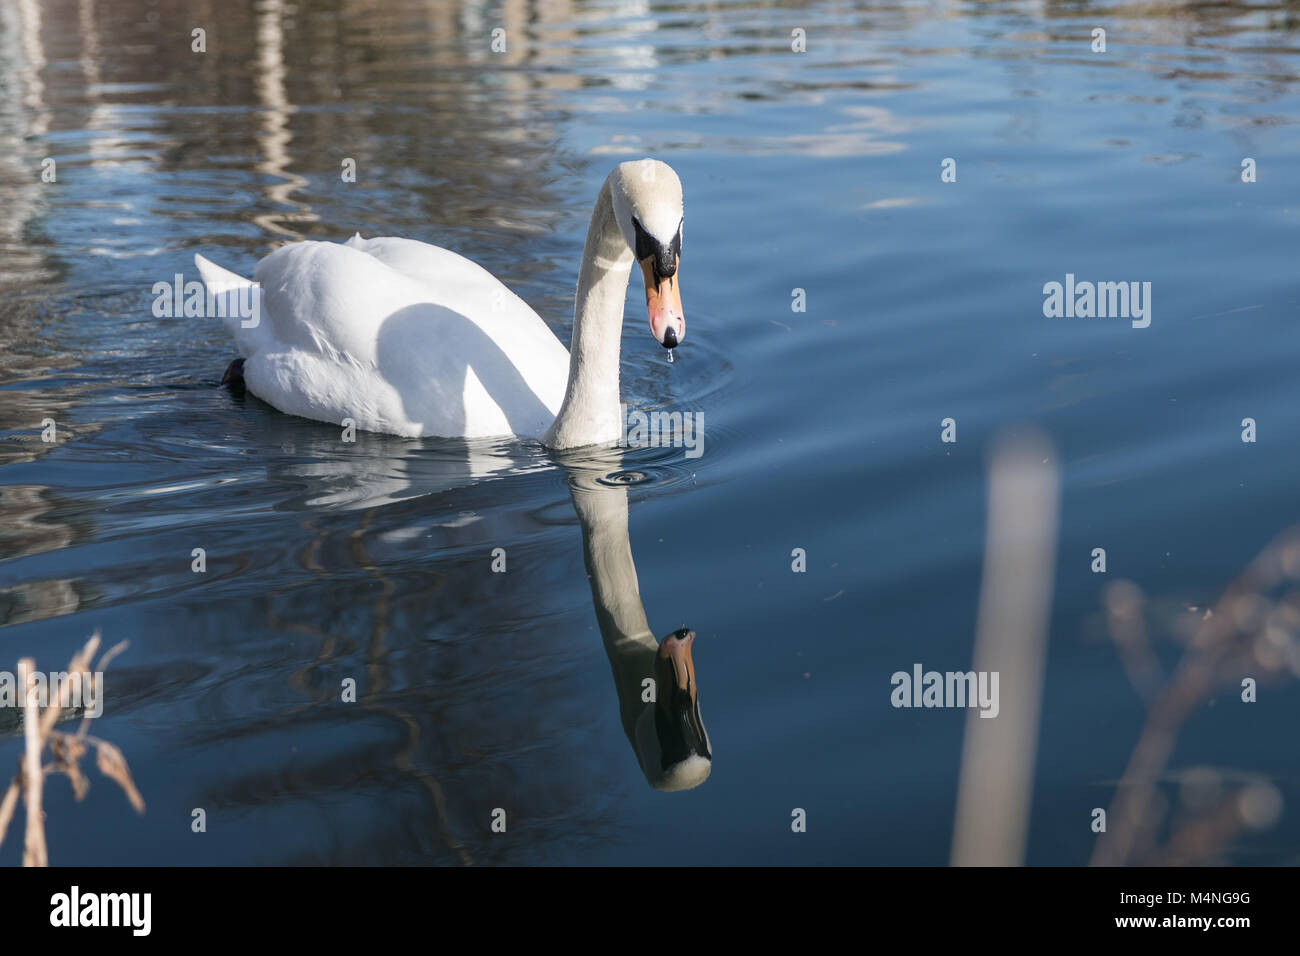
<point x="1245" y="630"/>
<point x="65" y="749"/>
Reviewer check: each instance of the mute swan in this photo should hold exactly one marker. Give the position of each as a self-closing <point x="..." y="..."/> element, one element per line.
<point x="410" y="339"/>
<point x="667" y="734"/>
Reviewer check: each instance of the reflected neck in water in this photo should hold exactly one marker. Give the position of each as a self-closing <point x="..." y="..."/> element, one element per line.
<point x="666" y="732"/>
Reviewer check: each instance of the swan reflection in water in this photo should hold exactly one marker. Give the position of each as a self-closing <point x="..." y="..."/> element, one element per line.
<point x="658" y="698"/>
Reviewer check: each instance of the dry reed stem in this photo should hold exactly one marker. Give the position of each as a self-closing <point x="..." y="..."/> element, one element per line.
<point x="34" y="845"/>
<point x="996" y="776"/>
<point x="65" y="749"/>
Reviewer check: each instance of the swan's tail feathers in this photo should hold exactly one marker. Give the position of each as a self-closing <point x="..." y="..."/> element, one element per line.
<point x="237" y="302"/>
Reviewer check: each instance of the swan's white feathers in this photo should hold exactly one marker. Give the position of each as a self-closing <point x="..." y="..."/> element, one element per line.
<point x="650" y="190"/>
<point x="402" y="337"/>
<point x="399" y="336"/>
<point x="231" y="297"/>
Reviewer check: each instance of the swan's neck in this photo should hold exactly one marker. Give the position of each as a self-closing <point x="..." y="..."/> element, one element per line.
<point x="590" y="413"/>
<point x="624" y="630"/>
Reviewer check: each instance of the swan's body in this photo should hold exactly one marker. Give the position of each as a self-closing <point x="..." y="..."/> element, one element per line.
<point x="411" y="339"/>
<point x="399" y="336"/>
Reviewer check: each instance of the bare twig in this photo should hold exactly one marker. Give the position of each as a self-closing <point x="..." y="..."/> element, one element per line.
<point x="1226" y="636"/>
<point x="1124" y="615"/>
<point x="66" y="750"/>
<point x="9" y="804"/>
<point x="112" y="764"/>
<point x="34" y="845"/>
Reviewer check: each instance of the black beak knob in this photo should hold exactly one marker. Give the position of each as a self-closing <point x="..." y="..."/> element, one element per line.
<point x="670" y="338"/>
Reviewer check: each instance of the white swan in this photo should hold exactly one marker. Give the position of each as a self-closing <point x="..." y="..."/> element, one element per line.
<point x="410" y="339"/>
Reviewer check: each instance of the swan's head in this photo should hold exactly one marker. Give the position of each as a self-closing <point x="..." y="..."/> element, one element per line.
<point x="675" y="749"/>
<point x="647" y="197"/>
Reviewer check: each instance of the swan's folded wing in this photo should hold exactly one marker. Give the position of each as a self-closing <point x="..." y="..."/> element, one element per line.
<point x="463" y="285"/>
<point x="328" y="299"/>
<point x="449" y="277"/>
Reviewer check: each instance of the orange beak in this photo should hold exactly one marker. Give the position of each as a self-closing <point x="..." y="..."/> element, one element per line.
<point x="677" y="718"/>
<point x="663" y="304"/>
<point x="675" y="663"/>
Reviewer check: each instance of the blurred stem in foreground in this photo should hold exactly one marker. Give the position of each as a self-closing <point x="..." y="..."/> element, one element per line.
<point x="995" y="787"/>
<point x="66" y="750"/>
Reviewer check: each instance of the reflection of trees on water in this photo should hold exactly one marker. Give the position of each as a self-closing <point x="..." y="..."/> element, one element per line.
<point x="24" y="120"/>
<point x="29" y="528"/>
<point x="466" y="686"/>
<point x="469" y="682"/>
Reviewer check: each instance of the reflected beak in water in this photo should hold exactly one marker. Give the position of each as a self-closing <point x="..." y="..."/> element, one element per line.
<point x="683" y="741"/>
<point x="663" y="302"/>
